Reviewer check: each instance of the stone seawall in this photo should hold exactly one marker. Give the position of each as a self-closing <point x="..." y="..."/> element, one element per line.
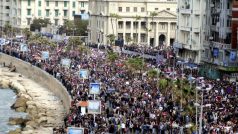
<point x="41" y="77"/>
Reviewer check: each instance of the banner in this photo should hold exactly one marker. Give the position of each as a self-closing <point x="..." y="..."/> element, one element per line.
<point x="83" y="74"/>
<point x="65" y="62"/>
<point x="94" y="88"/>
<point x="94" y="107"/>
<point x="75" y="130"/>
<point x="2" y="41"/>
<point x="23" y="47"/>
<point x="215" y="52"/>
<point x="232" y="56"/>
<point x="45" y="55"/>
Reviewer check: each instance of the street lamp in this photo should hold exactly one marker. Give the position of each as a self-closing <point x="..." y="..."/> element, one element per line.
<point x="201" y="106"/>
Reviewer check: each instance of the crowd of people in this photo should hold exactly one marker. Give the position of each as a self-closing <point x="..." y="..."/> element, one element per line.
<point x="129" y="102"/>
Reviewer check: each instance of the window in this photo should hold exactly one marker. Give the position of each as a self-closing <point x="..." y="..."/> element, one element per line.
<point x="156" y="9"/>
<point x="29" y="2"/>
<point x="65" y="13"/>
<point x="47" y="13"/>
<point x="7" y="7"/>
<point x="120" y="24"/>
<point x="56" y="3"/>
<point x="82" y="4"/>
<point x="65" y="3"/>
<point x="120" y="9"/>
<point x="28" y="21"/>
<point x="39" y="12"/>
<point x="56" y="13"/>
<point x="135" y="9"/>
<point x="47" y="3"/>
<point x="28" y="11"/>
<point x="168" y="9"/>
<point x="39" y="3"/>
<point x="127" y="9"/>
<point x="73" y="4"/>
<point x="56" y="22"/>
<point x="73" y="13"/>
<point x="142" y="9"/>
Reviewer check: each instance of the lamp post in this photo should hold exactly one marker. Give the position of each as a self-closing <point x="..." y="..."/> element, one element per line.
<point x="201" y="106"/>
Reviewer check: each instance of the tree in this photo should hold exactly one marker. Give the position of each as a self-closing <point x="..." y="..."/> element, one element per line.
<point x="116" y="16"/>
<point x="7" y="29"/>
<point x="128" y="39"/>
<point x="112" y="56"/>
<point x="81" y="27"/>
<point x="111" y="38"/>
<point x="39" y="40"/>
<point x="27" y="33"/>
<point x="152" y="73"/>
<point x="74" y="43"/>
<point x="135" y="64"/>
<point x="37" y="24"/>
<point x="153" y="14"/>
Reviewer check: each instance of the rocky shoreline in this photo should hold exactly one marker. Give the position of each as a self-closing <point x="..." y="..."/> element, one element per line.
<point x="44" y="109"/>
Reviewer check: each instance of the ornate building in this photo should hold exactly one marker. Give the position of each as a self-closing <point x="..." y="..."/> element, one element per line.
<point x="144" y="22"/>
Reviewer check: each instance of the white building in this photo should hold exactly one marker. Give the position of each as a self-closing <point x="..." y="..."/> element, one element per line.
<point x="190" y="35"/>
<point x="20" y="13"/>
<point x="143" y="30"/>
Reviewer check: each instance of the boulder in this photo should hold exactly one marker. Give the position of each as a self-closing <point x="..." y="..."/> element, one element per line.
<point x="4" y="83"/>
<point x="16" y="131"/>
<point x="17" y="121"/>
<point x="21" y="109"/>
<point x="32" y="124"/>
<point x="20" y="102"/>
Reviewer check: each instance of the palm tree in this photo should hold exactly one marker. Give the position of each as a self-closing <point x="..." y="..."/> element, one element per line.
<point x="128" y="39"/>
<point x="112" y="56"/>
<point x="137" y="19"/>
<point x="153" y="14"/>
<point x="135" y="64"/>
<point x="111" y="38"/>
<point x="27" y="33"/>
<point x="116" y="16"/>
<point x="7" y="29"/>
<point x="74" y="43"/>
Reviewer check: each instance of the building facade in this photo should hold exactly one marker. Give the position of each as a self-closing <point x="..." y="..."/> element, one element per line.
<point x="143" y="22"/>
<point x="20" y="13"/>
<point x="189" y="34"/>
<point x="220" y="44"/>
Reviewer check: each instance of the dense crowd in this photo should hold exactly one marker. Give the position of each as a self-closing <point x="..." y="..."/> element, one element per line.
<point x="134" y="105"/>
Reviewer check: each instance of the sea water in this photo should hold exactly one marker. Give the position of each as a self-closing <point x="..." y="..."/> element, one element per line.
<point x="7" y="98"/>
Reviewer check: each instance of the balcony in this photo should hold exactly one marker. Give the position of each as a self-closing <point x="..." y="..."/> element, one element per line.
<point x="221" y="45"/>
<point x="185" y="28"/>
<point x="185" y="11"/>
<point x="196" y="30"/>
<point x="196" y="12"/>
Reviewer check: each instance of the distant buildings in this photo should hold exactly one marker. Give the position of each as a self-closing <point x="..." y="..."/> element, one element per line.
<point x="144" y="22"/>
<point x="207" y="35"/>
<point x="20" y="13"/>
<point x="190" y="36"/>
<point x="220" y="43"/>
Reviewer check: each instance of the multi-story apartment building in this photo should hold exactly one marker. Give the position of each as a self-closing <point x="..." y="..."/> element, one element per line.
<point x="20" y="13"/>
<point x="145" y="22"/>
<point x="189" y="34"/>
<point x="220" y="44"/>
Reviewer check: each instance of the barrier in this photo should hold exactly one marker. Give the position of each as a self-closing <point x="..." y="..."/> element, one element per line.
<point x="40" y="76"/>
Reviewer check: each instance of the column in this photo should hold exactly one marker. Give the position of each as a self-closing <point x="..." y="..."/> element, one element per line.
<point x="168" y="36"/>
<point x="124" y="30"/>
<point x="148" y="33"/>
<point x="132" y="30"/>
<point x="139" y="32"/>
<point x="156" y="34"/>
